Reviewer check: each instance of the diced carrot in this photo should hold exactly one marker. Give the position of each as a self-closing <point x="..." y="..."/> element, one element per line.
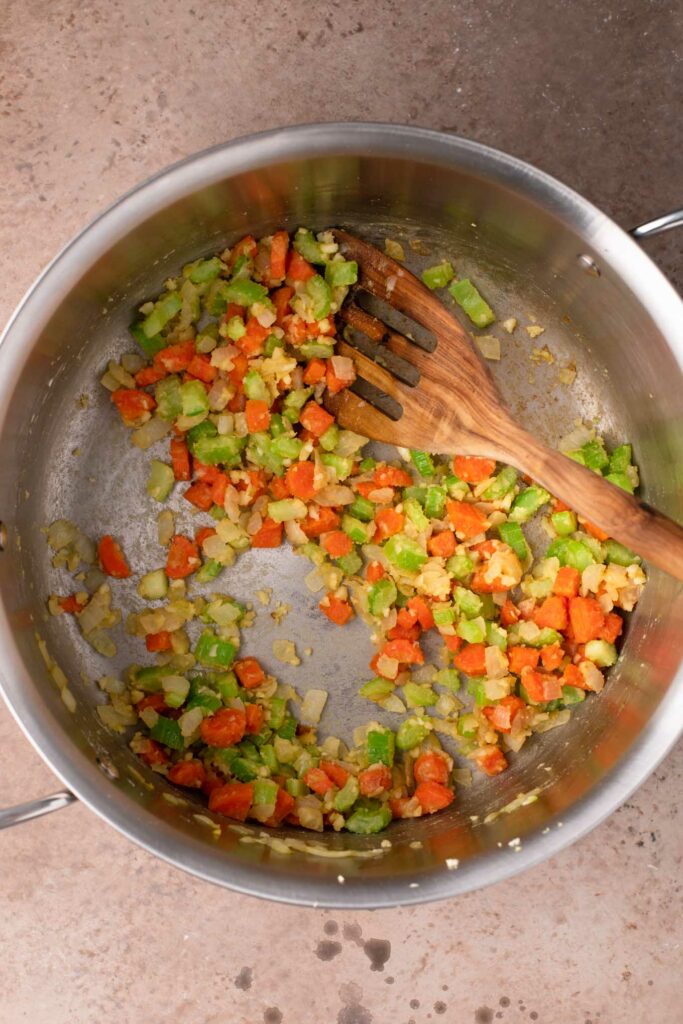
<point x="473" y="469"/>
<point x="375" y="780"/>
<point x="257" y="415"/>
<point x="481" y="585"/>
<point x="175" y="358"/>
<point x="521" y="657"/>
<point x="180" y="459"/>
<point x="388" y="522"/>
<point x="278" y="255"/>
<point x="441" y="544"/>
<point x="368" y="488"/>
<point x="160" y="641"/>
<point x="269" y="536"/>
<point x="587" y="619"/>
<point x="249" y="673"/>
<point x="391" y="476"/>
<point x="245" y="247"/>
<point x="155" y="701"/>
<point x="149" y="375"/>
<point x="299" y="478"/>
<point x="541" y="687"/>
<point x="509" y="613"/>
<point x="201" y="368"/>
<point x="467" y="519"/>
<point x="203" y="471"/>
<point x="278" y="487"/>
<point x="572" y="676"/>
<point x="502" y="715"/>
<point x="337" y="543"/>
<point x="315" y="418"/>
<point x="410" y="633"/>
<point x="284" y="805"/>
<point x="237" y="402"/>
<point x="402" y="806"/>
<point x="431" y="767"/>
<point x="336" y="610"/>
<point x="234" y="800"/>
<point x="280" y="299"/>
<point x="152" y="752"/>
<point x="134" y="406"/>
<point x="593" y="530"/>
<point x="552" y="656"/>
<point x="202" y="534"/>
<point x="407" y="652"/>
<point x="298" y="269"/>
<point x="219" y="489"/>
<point x="255" y="718"/>
<point x="432" y="796"/>
<point x="71" y="604"/>
<point x="407" y="619"/>
<point x="187" y="773"/>
<point x="612" y="627"/>
<point x="200" y="495"/>
<point x="491" y="760"/>
<point x="453" y="643"/>
<point x="252" y="341"/>
<point x="183" y="557"/>
<point x="336" y="772"/>
<point x="472" y="660"/>
<point x="225" y="728"/>
<point x="240" y="365"/>
<point x="559" y="506"/>
<point x="374" y="572"/>
<point x="424" y="614"/>
<point x="567" y="582"/>
<point x="315" y="371"/>
<point x="552" y="614"/>
<point x="318" y="780"/>
<point x="334" y="383"/>
<point x="111" y="558"/>
<point x="326" y="520"/>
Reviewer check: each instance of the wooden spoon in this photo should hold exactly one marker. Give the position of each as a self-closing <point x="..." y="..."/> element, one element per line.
<point x="448" y="402"/>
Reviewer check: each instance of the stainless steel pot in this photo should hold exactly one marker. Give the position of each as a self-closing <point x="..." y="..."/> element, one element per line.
<point x="539" y="251"/>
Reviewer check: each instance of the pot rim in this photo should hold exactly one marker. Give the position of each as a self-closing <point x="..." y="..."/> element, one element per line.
<point x="603" y="239"/>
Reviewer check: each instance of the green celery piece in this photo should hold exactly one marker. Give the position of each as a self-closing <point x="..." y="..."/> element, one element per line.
<point x="265" y="792"/>
<point x="419" y="695"/>
<point x="362" y="509"/>
<point x="271" y="343"/>
<point x="164" y="310"/>
<point x="413" y="510"/>
<point x="341" y="273"/>
<point x="208" y="571"/>
<point x="380" y="747"/>
<point x="317" y="349"/>
<point x="472" y="303"/>
<point x="277" y="712"/>
<point x="320" y="293"/>
<point x="307" y="246"/>
<point x="438" y="276"/>
<point x="620" y="554"/>
<point x="450" y="678"/>
<point x="527" y="503"/>
<point x="330" y="439"/>
<point x="511" y="534"/>
<point x="418" y="494"/>
<point x="456" y="487"/>
<point x="367" y="465"/>
<point x="411" y="732"/>
<point x="350" y="564"/>
<point x="286" y="447"/>
<point x="244" y="292"/>
<point x="347" y="795"/>
<point x="204" y="429"/>
<point x="167" y="395"/>
<point x="469" y="603"/>
<point x="620" y="459"/>
<point x="496" y="636"/>
<point x="244" y="769"/>
<point x="223" y="448"/>
<point x="255" y="388"/>
<point x="194" y="398"/>
<point x="376" y="689"/>
<point x="295" y="787"/>
<point x="167" y="732"/>
<point x="564" y="523"/>
<point x="294" y="403"/>
<point x="501" y="484"/>
<point x="269" y="757"/>
<point x="444" y="614"/>
<point x="572" y="695"/>
<point x="160" y="481"/>
<point x="381" y="596"/>
<point x="594" y="455"/>
<point x="149" y="679"/>
<point x="405" y="553"/>
<point x="473" y="631"/>
<point x="341" y="464"/>
<point x="460" y="566"/>
<point x="423" y="462"/>
<point x="211" y="651"/>
<point x="261" y="452"/>
<point x="622" y="480"/>
<point x="202" y="696"/>
<point x="546" y="638"/>
<point x="358" y="531"/>
<point x="368" y="820"/>
<point x="287" y="509"/>
<point x="204" y="270"/>
<point x="475" y="688"/>
<point x="277" y="426"/>
<point x="467" y="725"/>
<point x="235" y="328"/>
<point x="601" y="653"/>
<point x="576" y="456"/>
<point x="489" y="609"/>
<point x="435" y="502"/>
<point x="150" y="346"/>
<point x="570" y="552"/>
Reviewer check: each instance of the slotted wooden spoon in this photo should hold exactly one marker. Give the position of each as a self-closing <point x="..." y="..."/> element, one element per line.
<point x="446" y="401"/>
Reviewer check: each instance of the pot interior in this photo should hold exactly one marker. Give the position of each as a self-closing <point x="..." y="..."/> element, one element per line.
<point x="68" y="456"/>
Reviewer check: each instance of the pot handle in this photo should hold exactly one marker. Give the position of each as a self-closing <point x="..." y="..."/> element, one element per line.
<point x="658" y="225"/>
<point x="35" y="808"/>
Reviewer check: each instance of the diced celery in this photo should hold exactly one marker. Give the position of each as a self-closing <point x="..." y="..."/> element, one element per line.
<point x="511" y="533"/>
<point x="164" y="310"/>
<point x="167" y="395"/>
<point x="602" y="653"/>
<point x="621" y="480"/>
<point x="572" y="695"/>
<point x="358" y="531"/>
<point x="350" y="564"/>
<point x="419" y="695"/>
<point x="261" y="452"/>
<point x="366" y="465"/>
<point x="194" y="398"/>
<point x="619" y="554"/>
<point x="413" y="510"/>
<point x="341" y="465"/>
<point x="202" y="696"/>
<point x="377" y="688"/>
<point x="416" y="493"/>
<point x="286" y="447"/>
<point x="472" y="303"/>
<point x="317" y="349"/>
<point x="150" y="346"/>
<point x="255" y="387"/>
<point x="211" y="651"/>
<point x="472" y="630"/>
<point x="362" y="509"/>
<point x="203" y="270"/>
<point x="154" y="585"/>
<point x="450" y="678"/>
<point x="564" y="523"/>
<point x="411" y="732"/>
<point x="444" y="614"/>
<point x="176" y="689"/>
<point x="209" y="571"/>
<point x="527" y="503"/>
<point x="244" y="769"/>
<point x="330" y="439"/>
<point x="368" y="820"/>
<point x="380" y="747"/>
<point x="477" y="689"/>
<point x="287" y="509"/>
<point x="341" y="273"/>
<point x="295" y="787"/>
<point x="422" y="462"/>
<point x="594" y="455"/>
<point x="160" y="480"/>
<point x="244" y="292"/>
<point x="467" y="725"/>
<point x="496" y="636"/>
<point x="235" y="328"/>
<point x="435" y="502"/>
<point x="620" y="459"/>
<point x="227" y="685"/>
<point x="149" y="679"/>
<point x="438" y="276"/>
<point x="207" y="428"/>
<point x="381" y="596"/>
<point x="501" y="484"/>
<point x="321" y="296"/>
<point x="460" y="566"/>
<point x="570" y="552"/>
<point x="347" y="795"/>
<point x="167" y="732"/>
<point x="294" y="403"/>
<point x="265" y="792"/>
<point x="405" y="553"/>
<point x="469" y="603"/>
<point x="305" y="244"/>
<point x="223" y="448"/>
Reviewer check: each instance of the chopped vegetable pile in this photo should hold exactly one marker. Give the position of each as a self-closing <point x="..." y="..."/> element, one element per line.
<point x="239" y="352"/>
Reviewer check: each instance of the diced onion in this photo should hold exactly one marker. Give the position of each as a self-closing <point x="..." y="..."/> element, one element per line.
<point x="335" y="494"/>
<point x="313" y="706"/>
<point x="489" y="346"/>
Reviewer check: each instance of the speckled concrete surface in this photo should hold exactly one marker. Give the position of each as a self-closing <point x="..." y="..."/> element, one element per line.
<point x="95" y="96"/>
